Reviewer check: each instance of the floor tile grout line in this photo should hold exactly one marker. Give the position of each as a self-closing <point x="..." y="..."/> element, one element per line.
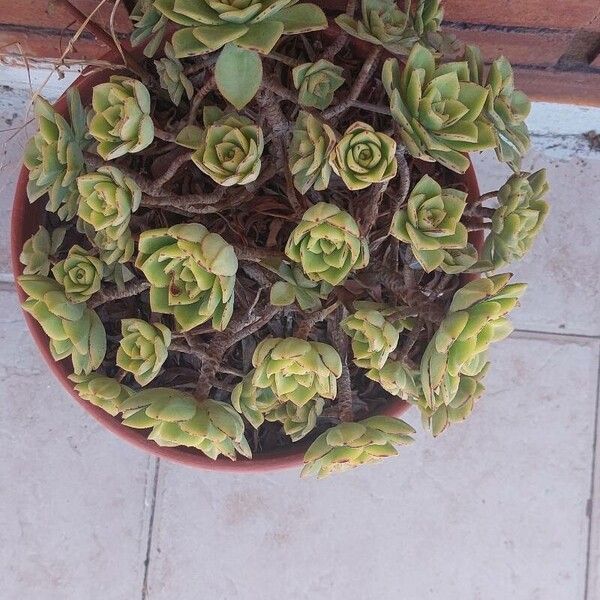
<point x="591" y="571"/>
<point x="581" y="336"/>
<point x="150" y="530"/>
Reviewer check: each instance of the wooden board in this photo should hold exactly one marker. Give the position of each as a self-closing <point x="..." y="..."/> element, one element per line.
<point x="562" y="14"/>
<point x="542" y="41"/>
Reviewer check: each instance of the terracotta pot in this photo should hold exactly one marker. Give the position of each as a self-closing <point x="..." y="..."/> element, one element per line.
<point x="26" y="219"/>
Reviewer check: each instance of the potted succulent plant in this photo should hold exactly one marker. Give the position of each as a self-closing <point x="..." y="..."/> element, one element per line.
<point x="266" y="242"/>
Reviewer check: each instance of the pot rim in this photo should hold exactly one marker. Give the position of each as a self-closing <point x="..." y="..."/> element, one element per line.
<point x="25" y="221"/>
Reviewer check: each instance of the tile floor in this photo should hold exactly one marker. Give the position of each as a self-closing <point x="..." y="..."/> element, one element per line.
<point x="500" y="508"/>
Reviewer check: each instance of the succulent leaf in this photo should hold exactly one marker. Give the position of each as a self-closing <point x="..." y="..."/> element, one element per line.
<point x="349" y="445"/>
<point x="143" y="349"/>
<point x="54" y="156"/>
<point x="430" y="223"/>
<point x="191" y="273"/>
<point x="438" y="108"/>
<point x="178" y="419"/>
<point x="121" y="121"/>
<point x="74" y="330"/>
<point x="364" y="156"/>
<point x="230" y="151"/>
<point x="38" y="250"/>
<point x="327" y="244"/>
<point x="238" y="74"/>
<point x="102" y="391"/>
<point x="296" y="370"/>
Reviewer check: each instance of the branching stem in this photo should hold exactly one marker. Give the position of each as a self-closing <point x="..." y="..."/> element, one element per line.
<point x="255" y="254"/>
<point x="373" y="108"/>
<point x="344" y="395"/>
<point x="479" y="212"/>
<point x="271" y="83"/>
<point x="165" y="136"/>
<point x="478" y="226"/>
<point x="305" y="326"/>
<point x="109" y="294"/>
<point x="342" y="37"/>
<point x="282" y="58"/>
<point x="199" y="96"/>
<point x="156" y="188"/>
<point x="485" y="197"/>
<point x="357" y="86"/>
<point x="369" y="209"/>
<point x="219" y="345"/>
<point x="185" y="204"/>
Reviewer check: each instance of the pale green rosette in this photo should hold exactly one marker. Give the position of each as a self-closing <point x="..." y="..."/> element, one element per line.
<point x="518" y="219"/>
<point x="101" y="391"/>
<point x="438" y="108"/>
<point x="107" y="200"/>
<point x="349" y="445"/>
<point x="253" y="402"/>
<point x="230" y="150"/>
<point x="382" y="23"/>
<point x="252" y="24"/>
<point x="308" y="157"/>
<point x="327" y="243"/>
<point x="374" y="331"/>
<point x="143" y="349"/>
<point x="172" y="76"/>
<point x="364" y="156"/>
<point x="506" y="108"/>
<point x="80" y="274"/>
<point x="54" y="156"/>
<point x="74" y="330"/>
<point x="297" y="421"/>
<point x="296" y="287"/>
<point x="476" y="318"/>
<point x="296" y="370"/>
<point x="430" y="223"/>
<point x="178" y="419"/>
<point x="121" y="121"/>
<point x="317" y="82"/>
<point x="191" y="272"/>
<point x="38" y="250"/>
